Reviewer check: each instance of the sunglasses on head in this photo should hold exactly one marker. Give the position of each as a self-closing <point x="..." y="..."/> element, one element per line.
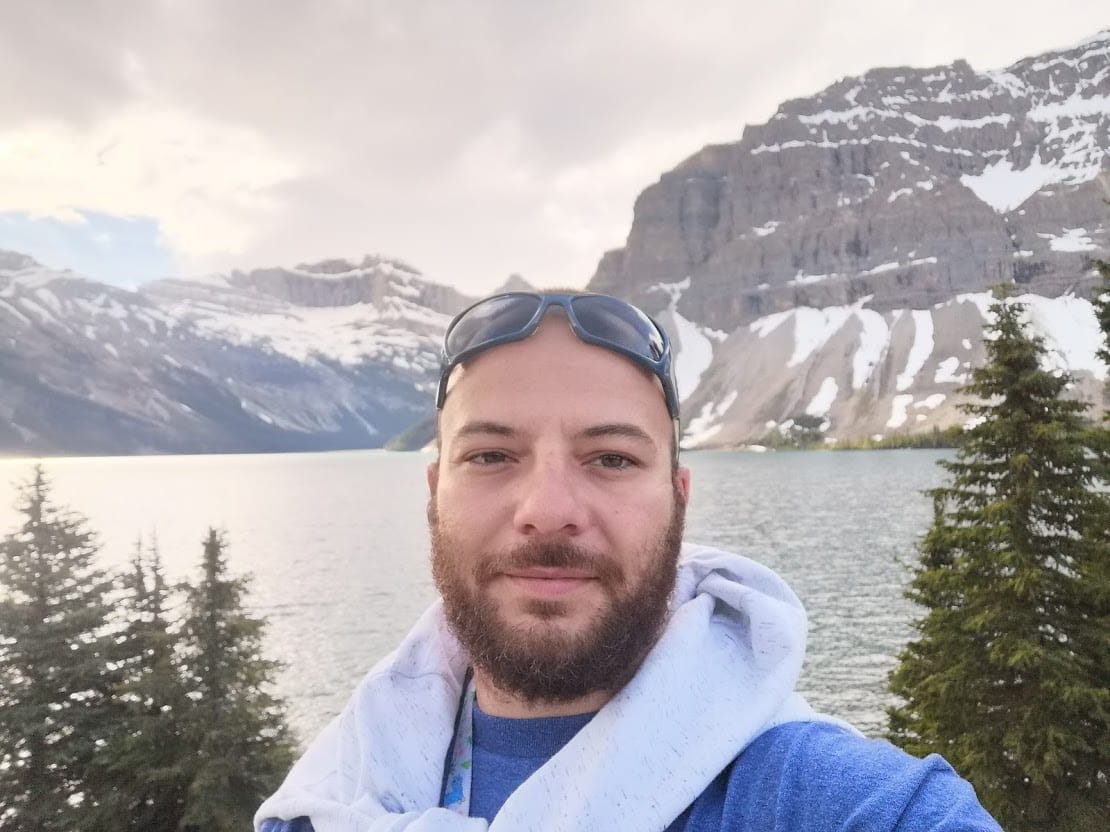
<point x="601" y="320"/>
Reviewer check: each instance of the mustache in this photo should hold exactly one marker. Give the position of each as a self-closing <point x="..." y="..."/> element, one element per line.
<point x="551" y="554"/>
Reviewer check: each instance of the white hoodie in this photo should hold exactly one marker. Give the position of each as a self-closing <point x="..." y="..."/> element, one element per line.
<point x="722" y="673"/>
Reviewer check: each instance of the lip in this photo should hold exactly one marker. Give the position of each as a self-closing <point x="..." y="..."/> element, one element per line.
<point x="547" y="582"/>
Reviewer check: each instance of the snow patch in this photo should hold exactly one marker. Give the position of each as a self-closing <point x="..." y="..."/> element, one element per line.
<point x="1067" y="323"/>
<point x="948" y="123"/>
<point x="947" y="372"/>
<point x="769" y="323"/>
<point x="898" y="410"/>
<point x="1073" y="239"/>
<point x="824" y="399"/>
<point x="931" y="402"/>
<point x="813" y="328"/>
<point x="1071" y="332"/>
<point x="1073" y="107"/>
<point x="981" y="300"/>
<point x="920" y="351"/>
<point x="872" y="344"/>
<point x="885" y="267"/>
<point x="801" y="279"/>
<point x="1003" y="188"/>
<point x="693" y="351"/>
<point x="705" y="425"/>
<point x="693" y="354"/>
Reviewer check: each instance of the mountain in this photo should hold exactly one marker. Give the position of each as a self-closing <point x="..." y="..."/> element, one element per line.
<point x="829" y="271"/>
<point x="907" y="186"/>
<point x="833" y="264"/>
<point x="321" y="356"/>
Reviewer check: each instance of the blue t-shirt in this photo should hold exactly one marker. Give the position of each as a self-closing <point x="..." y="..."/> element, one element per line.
<point x="508" y="751"/>
<point x="810" y="776"/>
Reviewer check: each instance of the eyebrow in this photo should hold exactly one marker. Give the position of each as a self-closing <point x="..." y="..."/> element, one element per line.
<point x="622" y="429"/>
<point x="627" y="430"/>
<point x="479" y="428"/>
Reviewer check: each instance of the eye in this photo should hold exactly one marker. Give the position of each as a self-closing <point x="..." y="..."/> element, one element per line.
<point x="488" y="458"/>
<point x="615" y="462"/>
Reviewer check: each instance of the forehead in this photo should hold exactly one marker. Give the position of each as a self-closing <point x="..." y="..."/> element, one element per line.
<point x="554" y="371"/>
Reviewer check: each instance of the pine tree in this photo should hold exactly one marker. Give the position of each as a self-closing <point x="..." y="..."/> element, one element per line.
<point x="56" y="673"/>
<point x="1102" y="310"/>
<point x="1102" y="433"/>
<point x="242" y="744"/>
<point x="1101" y="302"/>
<point x="1008" y="677"/>
<point x="146" y="764"/>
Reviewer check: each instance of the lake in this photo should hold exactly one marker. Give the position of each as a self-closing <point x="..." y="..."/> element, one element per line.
<point x="337" y="545"/>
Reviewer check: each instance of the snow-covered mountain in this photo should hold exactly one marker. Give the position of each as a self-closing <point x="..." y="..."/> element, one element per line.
<point x="853" y="371"/>
<point x="905" y="186"/>
<point x="831" y="267"/>
<point x="834" y="263"/>
<point x="331" y="355"/>
<point x="339" y="355"/>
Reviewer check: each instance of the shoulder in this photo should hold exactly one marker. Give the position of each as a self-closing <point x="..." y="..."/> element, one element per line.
<point x="818" y="776"/>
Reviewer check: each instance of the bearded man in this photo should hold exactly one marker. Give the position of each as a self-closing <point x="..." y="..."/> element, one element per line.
<point x="586" y="670"/>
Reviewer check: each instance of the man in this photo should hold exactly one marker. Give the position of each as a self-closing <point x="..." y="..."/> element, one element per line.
<point x="576" y="676"/>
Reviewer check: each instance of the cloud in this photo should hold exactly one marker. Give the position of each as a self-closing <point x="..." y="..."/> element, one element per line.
<point x="473" y="139"/>
<point x="207" y="183"/>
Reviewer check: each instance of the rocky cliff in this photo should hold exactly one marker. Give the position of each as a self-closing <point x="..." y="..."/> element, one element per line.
<point x="904" y="186"/>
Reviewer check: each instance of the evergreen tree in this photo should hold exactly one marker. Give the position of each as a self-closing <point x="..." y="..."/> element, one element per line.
<point x="242" y="746"/>
<point x="1008" y="677"/>
<point x="1101" y="300"/>
<point x="1102" y="310"/>
<point x="145" y="766"/>
<point x="55" y="668"/>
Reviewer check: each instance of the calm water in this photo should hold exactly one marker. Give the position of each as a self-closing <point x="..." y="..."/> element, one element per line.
<point x="338" y="546"/>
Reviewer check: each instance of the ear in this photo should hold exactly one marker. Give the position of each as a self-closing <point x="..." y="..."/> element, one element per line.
<point x="433" y="477"/>
<point x="682" y="483"/>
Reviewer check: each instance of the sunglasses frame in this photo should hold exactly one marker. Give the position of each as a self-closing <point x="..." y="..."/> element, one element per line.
<point x="662" y="367"/>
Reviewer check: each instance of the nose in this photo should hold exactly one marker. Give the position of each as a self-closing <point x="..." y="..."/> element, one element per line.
<point x="550" y="499"/>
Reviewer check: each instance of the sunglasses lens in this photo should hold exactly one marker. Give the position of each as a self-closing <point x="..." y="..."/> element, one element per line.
<point x="620" y="324"/>
<point x="489" y="320"/>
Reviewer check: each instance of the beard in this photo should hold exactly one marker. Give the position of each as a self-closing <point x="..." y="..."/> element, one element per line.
<point x="541" y="661"/>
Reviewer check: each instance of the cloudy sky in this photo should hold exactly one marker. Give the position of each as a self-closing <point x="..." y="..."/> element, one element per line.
<point x="470" y="139"/>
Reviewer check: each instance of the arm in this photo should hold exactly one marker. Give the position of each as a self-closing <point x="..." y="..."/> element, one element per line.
<point x="818" y="777"/>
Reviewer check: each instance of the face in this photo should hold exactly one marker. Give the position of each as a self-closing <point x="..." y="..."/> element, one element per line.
<point x="556" y="514"/>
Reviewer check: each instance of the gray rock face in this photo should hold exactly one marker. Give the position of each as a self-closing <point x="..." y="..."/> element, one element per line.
<point x="904" y="186"/>
<point x="342" y="283"/>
